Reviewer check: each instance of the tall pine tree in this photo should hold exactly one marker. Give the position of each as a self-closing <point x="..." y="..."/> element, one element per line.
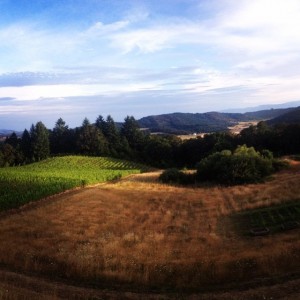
<point x="131" y="131"/>
<point x="59" y="139"/>
<point x="91" y="140"/>
<point x="40" y="141"/>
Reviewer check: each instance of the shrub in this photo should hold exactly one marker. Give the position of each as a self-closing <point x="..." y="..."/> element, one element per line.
<point x="176" y="177"/>
<point x="245" y="165"/>
<point x="171" y="176"/>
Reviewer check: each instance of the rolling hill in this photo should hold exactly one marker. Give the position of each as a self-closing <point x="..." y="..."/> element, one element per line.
<point x="290" y="117"/>
<point x="187" y="123"/>
<point x="21" y="184"/>
<point x="184" y="123"/>
<point x="180" y="123"/>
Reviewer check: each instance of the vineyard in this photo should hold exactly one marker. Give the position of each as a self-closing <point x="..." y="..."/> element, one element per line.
<point x="276" y="218"/>
<point x="19" y="185"/>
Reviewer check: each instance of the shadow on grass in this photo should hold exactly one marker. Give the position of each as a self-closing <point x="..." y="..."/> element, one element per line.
<point x="267" y="220"/>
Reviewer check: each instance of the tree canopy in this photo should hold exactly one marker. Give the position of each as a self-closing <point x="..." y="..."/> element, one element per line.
<point x="244" y="165"/>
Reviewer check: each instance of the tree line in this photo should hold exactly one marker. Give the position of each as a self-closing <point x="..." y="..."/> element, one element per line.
<point x="105" y="138"/>
<point x="243" y="165"/>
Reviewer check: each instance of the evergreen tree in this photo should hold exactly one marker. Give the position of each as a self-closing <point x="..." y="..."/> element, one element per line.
<point x="86" y="122"/>
<point x="91" y="140"/>
<point x="26" y="146"/>
<point x="7" y="156"/>
<point x="59" y="139"/>
<point x="100" y="123"/>
<point x="158" y="151"/>
<point x="113" y="136"/>
<point x="131" y="131"/>
<point x="15" y="143"/>
<point x="13" y="140"/>
<point x="40" y="141"/>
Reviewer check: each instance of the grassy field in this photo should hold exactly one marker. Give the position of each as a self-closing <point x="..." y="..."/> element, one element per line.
<point x="19" y="185"/>
<point x="141" y="236"/>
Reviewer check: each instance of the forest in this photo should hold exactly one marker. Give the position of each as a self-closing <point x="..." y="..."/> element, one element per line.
<point x="128" y="141"/>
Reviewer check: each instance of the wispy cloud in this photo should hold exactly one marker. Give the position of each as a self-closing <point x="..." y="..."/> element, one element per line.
<point x="6" y="99"/>
<point x="194" y="52"/>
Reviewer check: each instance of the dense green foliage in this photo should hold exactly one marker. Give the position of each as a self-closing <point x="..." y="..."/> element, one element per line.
<point x="40" y="141"/>
<point x="174" y="176"/>
<point x="19" y="185"/>
<point x="244" y="165"/>
<point x="127" y="141"/>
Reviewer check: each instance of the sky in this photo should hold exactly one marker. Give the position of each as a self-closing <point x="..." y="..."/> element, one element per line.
<point x="84" y="58"/>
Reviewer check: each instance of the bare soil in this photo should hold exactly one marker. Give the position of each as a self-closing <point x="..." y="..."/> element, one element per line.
<point x="236" y="129"/>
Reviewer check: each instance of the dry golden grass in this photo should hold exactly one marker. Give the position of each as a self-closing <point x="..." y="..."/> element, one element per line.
<point x="145" y="234"/>
<point x="236" y="129"/>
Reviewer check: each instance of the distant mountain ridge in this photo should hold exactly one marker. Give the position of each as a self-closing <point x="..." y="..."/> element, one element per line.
<point x="7" y="132"/>
<point x="290" y="104"/>
<point x="184" y="123"/>
<point x="290" y="117"/>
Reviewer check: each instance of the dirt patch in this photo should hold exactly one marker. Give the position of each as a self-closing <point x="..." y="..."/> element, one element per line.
<point x="236" y="129"/>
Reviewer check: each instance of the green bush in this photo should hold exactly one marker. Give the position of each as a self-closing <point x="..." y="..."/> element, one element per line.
<point x="245" y="165"/>
<point x="175" y="176"/>
<point x="171" y="176"/>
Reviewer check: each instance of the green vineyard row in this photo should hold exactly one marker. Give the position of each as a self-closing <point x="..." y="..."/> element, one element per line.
<point x="20" y="185"/>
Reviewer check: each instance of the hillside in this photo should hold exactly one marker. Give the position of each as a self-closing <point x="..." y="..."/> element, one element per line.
<point x="268" y="113"/>
<point x="184" y="123"/>
<point x="55" y="175"/>
<point x="187" y="123"/>
<point x="138" y="235"/>
<point x="290" y="117"/>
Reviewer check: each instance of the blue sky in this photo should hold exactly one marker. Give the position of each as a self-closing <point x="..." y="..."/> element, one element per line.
<point x="82" y="58"/>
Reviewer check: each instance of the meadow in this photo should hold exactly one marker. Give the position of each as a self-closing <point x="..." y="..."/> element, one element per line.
<point x="142" y="236"/>
<point x="19" y="185"/>
<point x="144" y="239"/>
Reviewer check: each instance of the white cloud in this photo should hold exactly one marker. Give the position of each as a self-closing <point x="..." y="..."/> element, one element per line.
<point x="254" y="27"/>
<point x="262" y="15"/>
<point x="260" y="27"/>
<point x="99" y="28"/>
<point x="32" y="93"/>
<point x="248" y="48"/>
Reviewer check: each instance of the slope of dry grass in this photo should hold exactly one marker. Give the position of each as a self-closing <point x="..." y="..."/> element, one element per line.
<point x="144" y="234"/>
